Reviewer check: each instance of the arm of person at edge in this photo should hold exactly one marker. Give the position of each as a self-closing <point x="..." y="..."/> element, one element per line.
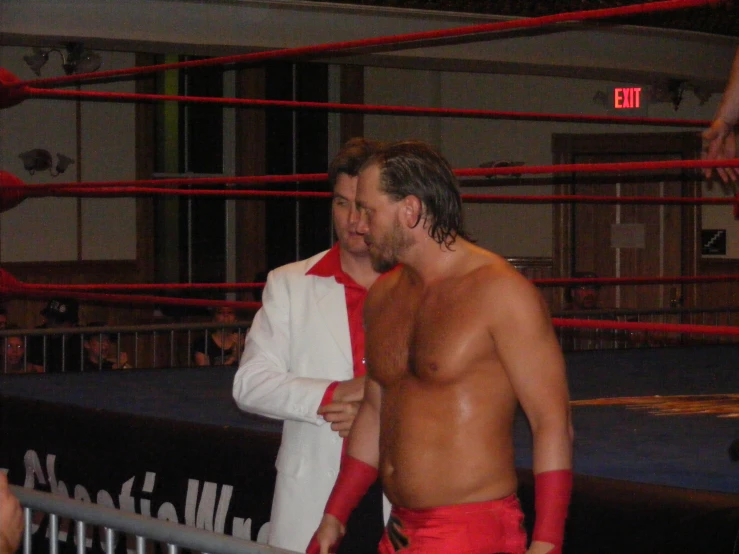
<point x="528" y="348"/>
<point x="343" y="406"/>
<point x="719" y="140"/>
<point x="11" y="518"/>
<point x="265" y="386"/>
<point x="364" y="445"/>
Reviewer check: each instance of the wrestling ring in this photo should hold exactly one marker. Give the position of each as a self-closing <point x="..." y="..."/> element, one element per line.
<point x="655" y="397"/>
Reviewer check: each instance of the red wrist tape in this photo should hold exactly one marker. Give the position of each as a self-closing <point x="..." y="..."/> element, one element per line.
<point x="313" y="547"/>
<point x="552" y="491"/>
<point x="328" y="396"/>
<point x="355" y="478"/>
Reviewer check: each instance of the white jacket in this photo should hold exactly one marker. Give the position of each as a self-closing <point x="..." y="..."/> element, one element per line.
<point x="297" y="345"/>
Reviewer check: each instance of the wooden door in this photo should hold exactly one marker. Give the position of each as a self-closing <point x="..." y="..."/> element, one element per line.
<point x="628" y="240"/>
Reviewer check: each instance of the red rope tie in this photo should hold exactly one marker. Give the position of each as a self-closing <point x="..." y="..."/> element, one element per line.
<point x="11" y="91"/>
<point x="408" y="39"/>
<point x="12" y="191"/>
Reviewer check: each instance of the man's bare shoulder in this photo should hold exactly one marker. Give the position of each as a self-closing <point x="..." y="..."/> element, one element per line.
<point x="382" y="287"/>
<point x="492" y="270"/>
<point x="495" y="281"/>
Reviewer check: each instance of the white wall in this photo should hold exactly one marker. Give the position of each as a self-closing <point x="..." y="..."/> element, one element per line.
<point x="539" y="71"/>
<point x="510" y="229"/>
<point x="46" y="229"/>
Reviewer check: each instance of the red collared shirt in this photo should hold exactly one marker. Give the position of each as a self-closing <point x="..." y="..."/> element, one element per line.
<point x="330" y="266"/>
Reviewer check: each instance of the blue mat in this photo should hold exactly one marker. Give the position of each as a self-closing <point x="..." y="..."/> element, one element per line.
<point x="619" y="442"/>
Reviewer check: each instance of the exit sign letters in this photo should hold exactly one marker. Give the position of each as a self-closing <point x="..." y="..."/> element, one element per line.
<point x="627" y="97"/>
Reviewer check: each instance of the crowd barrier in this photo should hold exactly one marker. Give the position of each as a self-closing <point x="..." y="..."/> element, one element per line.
<point x="175" y="536"/>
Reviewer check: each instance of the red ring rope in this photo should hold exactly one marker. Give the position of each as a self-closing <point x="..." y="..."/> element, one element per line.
<point x="633" y="326"/>
<point x="131" y="298"/>
<point x="9" y="181"/>
<point x="568" y="17"/>
<point x="550" y="282"/>
<point x="475" y="198"/>
<point x="9" y="284"/>
<point x="144" y="286"/>
<point x="366" y="108"/>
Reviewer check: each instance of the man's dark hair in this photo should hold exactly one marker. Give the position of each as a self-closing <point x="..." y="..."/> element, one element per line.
<point x="351" y="157"/>
<point x="413" y="168"/>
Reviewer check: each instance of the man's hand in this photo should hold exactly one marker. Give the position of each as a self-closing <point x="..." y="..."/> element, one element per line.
<point x="340" y="415"/>
<point x="11" y="518"/>
<point x="327" y="536"/>
<point x="538" y="547"/>
<point x="121" y="362"/>
<point x="719" y="143"/>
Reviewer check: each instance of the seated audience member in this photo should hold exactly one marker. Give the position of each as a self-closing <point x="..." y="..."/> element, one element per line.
<point x="219" y="346"/>
<point x="15" y="353"/>
<point x="101" y="351"/>
<point x="59" y="352"/>
<point x="11" y="518"/>
<point x="585" y="296"/>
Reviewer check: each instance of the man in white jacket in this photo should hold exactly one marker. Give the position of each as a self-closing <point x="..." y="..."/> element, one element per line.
<point x="303" y="363"/>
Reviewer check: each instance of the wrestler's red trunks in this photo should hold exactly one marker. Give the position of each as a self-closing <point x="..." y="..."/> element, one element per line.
<point x="478" y="528"/>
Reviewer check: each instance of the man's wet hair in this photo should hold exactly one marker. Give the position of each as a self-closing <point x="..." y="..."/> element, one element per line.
<point x="351" y="157"/>
<point x="413" y="168"/>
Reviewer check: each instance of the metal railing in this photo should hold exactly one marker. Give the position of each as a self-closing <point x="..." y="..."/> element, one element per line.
<point x="147" y="346"/>
<point x="170" y="345"/>
<point x="85" y="514"/>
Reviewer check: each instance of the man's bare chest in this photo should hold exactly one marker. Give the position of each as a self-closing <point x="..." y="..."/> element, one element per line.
<point x="429" y="337"/>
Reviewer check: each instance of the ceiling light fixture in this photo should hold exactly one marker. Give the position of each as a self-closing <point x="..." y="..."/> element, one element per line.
<point x="75" y="59"/>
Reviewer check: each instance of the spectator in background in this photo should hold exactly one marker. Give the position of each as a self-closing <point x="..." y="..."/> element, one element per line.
<point x="101" y="351"/>
<point x="11" y="518"/>
<point x="220" y="346"/>
<point x="719" y="140"/>
<point x="15" y="352"/>
<point x="585" y="296"/>
<point x="58" y="352"/>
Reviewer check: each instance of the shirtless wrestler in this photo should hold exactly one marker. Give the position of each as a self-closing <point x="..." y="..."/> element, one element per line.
<point x="456" y="339"/>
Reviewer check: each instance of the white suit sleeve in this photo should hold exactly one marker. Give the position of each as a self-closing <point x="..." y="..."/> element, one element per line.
<point x="264" y="383"/>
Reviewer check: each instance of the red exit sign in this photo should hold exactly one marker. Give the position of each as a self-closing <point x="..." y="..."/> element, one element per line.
<point x="627" y="97"/>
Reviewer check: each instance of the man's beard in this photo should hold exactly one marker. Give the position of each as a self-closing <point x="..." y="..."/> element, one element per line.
<point x="385" y="255"/>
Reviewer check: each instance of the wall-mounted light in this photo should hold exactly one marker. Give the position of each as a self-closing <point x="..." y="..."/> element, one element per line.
<point x="672" y="91"/>
<point x="75" y="59"/>
<point x="601" y="98"/>
<point x="39" y="159"/>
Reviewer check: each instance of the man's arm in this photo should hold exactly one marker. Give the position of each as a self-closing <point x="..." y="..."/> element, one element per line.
<point x="11" y="518"/>
<point x="264" y="384"/>
<point x="528" y="348"/>
<point x="719" y="140"/>
<point x="358" y="472"/>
